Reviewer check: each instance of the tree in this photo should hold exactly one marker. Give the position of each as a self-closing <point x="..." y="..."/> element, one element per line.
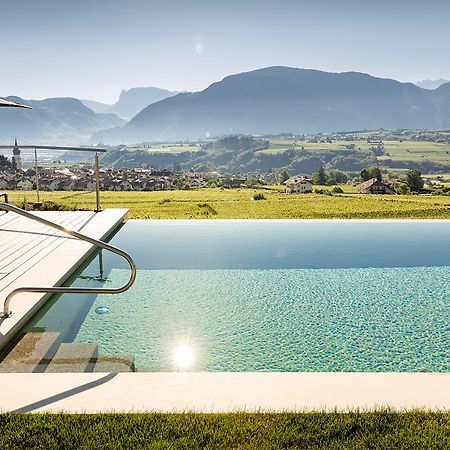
<point x="371" y="172"/>
<point x="320" y="177"/>
<point x="364" y="174"/>
<point x="5" y="164"/>
<point x="284" y="175"/>
<point x="252" y="181"/>
<point x="402" y="189"/>
<point x="414" y="180"/>
<point x="340" y="177"/>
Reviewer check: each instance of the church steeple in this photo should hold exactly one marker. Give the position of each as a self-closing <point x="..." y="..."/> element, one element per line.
<point x="17" y="158"/>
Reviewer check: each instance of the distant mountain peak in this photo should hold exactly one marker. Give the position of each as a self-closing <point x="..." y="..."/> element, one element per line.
<point x="431" y="84"/>
<point x="131" y="101"/>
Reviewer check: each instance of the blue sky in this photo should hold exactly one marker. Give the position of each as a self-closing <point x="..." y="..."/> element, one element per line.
<point x="94" y="49"/>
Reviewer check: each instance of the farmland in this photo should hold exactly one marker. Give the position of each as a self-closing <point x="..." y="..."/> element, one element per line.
<point x="394" y="150"/>
<point x="246" y="154"/>
<point x="217" y="203"/>
<point x="164" y="148"/>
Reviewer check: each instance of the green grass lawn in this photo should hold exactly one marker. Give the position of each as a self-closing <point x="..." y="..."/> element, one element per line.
<point x="372" y="430"/>
<point x="238" y="204"/>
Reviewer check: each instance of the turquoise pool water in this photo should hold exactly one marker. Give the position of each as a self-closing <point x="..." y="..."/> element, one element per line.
<point x="271" y="296"/>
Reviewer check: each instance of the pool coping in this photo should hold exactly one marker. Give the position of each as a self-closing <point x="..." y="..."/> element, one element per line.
<point x="220" y="392"/>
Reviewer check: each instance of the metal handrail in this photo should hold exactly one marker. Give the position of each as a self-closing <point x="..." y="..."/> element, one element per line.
<point x="54" y="147"/>
<point x="5" y="196"/>
<point x="63" y="289"/>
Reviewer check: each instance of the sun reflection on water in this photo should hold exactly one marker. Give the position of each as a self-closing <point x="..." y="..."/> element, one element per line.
<point x="183" y="356"/>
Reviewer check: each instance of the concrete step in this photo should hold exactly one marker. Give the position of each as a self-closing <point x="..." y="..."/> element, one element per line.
<point x="32" y="353"/>
<point x="73" y="358"/>
<point x="114" y="364"/>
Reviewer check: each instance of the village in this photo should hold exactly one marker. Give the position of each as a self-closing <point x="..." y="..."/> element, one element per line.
<point x="82" y="177"/>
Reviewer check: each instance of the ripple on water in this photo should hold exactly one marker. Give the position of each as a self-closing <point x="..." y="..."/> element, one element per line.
<point x="380" y="319"/>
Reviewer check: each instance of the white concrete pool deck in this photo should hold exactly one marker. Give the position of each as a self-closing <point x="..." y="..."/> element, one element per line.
<point x="222" y="392"/>
<point x="32" y="254"/>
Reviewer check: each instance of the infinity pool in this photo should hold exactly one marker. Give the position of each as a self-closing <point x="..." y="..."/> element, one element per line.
<point x="269" y="296"/>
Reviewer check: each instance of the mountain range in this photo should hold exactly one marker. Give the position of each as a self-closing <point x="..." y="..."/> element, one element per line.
<point x="284" y="99"/>
<point x="131" y="101"/>
<point x="64" y="121"/>
<point x="265" y="101"/>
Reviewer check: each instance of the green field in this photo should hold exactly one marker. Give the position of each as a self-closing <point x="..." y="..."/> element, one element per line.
<point x="164" y="148"/>
<point x="399" y="151"/>
<point x="238" y="204"/>
<point x="405" y="150"/>
<point x="356" y="431"/>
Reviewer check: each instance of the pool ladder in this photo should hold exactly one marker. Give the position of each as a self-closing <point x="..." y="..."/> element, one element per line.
<point x="62" y="289"/>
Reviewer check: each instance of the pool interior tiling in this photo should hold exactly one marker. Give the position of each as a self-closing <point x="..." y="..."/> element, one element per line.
<point x="268" y="296"/>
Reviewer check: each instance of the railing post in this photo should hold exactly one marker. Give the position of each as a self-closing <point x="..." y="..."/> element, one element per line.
<point x="36" y="174"/>
<point x="63" y="289"/>
<point x="97" y="184"/>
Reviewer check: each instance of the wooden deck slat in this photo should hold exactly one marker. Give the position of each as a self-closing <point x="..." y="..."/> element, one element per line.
<point x="23" y="238"/>
<point x="33" y="249"/>
<point x="31" y="242"/>
<point x="19" y="235"/>
<point x="5" y="219"/>
<point x="8" y="232"/>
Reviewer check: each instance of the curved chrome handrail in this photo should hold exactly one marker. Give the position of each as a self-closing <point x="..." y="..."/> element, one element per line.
<point x="63" y="289"/>
<point x="5" y="196"/>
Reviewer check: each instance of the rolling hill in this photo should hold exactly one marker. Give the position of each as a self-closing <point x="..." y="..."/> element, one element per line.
<point x="284" y="99"/>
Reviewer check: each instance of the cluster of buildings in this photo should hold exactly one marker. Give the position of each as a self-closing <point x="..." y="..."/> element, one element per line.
<point x="303" y="185"/>
<point x="81" y="178"/>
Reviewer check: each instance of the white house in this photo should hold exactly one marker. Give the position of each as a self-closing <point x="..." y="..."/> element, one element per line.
<point x="298" y="185"/>
<point x="55" y="185"/>
<point x="25" y="185"/>
<point x="126" y="186"/>
<point x="4" y="185"/>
